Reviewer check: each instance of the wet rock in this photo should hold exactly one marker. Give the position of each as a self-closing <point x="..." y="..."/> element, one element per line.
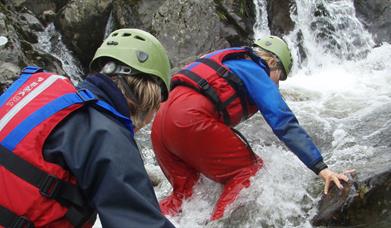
<point x="376" y="15"/>
<point x="20" y="50"/>
<point x="39" y="6"/>
<point x="135" y="13"/>
<point x="8" y="73"/>
<point x="239" y="19"/>
<point x="188" y="28"/>
<point x="279" y="18"/>
<point x="82" y="24"/>
<point x="240" y="214"/>
<point x="365" y="201"/>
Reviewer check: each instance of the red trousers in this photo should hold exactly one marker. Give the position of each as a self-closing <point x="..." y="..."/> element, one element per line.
<point x="188" y="139"/>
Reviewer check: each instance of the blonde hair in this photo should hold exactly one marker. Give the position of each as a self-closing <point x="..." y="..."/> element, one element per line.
<point x="268" y="57"/>
<point x="143" y="94"/>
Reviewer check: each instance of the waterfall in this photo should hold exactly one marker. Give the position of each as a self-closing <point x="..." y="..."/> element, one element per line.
<point x="50" y="41"/>
<point x="336" y="90"/>
<point x="330" y="28"/>
<point x="261" y="27"/>
<point x="109" y="25"/>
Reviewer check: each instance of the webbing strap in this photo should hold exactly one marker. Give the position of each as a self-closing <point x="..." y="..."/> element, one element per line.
<point x="31" y="70"/>
<point x="49" y="186"/>
<point x="8" y="219"/>
<point x="126" y="120"/>
<point x="78" y="216"/>
<point x="241" y="136"/>
<point x="209" y="92"/>
<point x="234" y="81"/>
<point x="24" y="76"/>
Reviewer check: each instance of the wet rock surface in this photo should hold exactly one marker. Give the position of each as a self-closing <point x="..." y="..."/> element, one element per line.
<point x="376" y="15"/>
<point x="365" y="201"/>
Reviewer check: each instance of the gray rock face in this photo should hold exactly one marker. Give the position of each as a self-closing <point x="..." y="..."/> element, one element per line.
<point x="135" y="13"/>
<point x="238" y="18"/>
<point x="40" y="8"/>
<point x="363" y="202"/>
<point x="82" y="24"/>
<point x="280" y="22"/>
<point x="188" y="28"/>
<point x="376" y="15"/>
<point x="20" y="30"/>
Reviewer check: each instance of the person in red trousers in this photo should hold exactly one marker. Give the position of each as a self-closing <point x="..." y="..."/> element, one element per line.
<point x="192" y="132"/>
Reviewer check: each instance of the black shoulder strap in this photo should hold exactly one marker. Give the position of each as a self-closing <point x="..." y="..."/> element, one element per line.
<point x="10" y="220"/>
<point x="234" y="81"/>
<point x="209" y="92"/>
<point x="49" y="186"/>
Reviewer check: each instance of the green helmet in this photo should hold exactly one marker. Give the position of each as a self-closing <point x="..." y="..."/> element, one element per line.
<point x="279" y="48"/>
<point x="137" y="49"/>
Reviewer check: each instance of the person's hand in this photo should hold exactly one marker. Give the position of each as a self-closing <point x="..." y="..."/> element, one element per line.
<point x="329" y="177"/>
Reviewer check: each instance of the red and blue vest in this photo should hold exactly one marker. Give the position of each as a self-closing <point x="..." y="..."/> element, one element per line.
<point x="34" y="192"/>
<point x="210" y="77"/>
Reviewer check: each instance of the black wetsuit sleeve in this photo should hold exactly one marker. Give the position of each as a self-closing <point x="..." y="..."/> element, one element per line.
<point x="108" y="167"/>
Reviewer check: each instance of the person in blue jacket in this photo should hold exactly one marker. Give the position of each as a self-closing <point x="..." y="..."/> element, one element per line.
<point x="83" y="140"/>
<point x="192" y="132"/>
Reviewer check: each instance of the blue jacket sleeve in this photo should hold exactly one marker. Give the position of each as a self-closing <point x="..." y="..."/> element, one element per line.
<point x="264" y="92"/>
<point x="108" y="167"/>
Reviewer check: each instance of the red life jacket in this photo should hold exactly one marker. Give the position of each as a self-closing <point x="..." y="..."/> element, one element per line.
<point x="209" y="76"/>
<point x="34" y="192"/>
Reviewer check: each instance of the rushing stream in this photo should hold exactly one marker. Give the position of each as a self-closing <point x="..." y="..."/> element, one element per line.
<point x="340" y="92"/>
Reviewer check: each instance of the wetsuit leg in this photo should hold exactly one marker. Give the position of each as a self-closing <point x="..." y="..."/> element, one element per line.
<point x="214" y="150"/>
<point x="181" y="176"/>
<point x="188" y="138"/>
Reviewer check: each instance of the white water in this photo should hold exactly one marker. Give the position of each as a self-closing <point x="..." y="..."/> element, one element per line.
<point x="261" y="27"/>
<point x="336" y="85"/>
<point x="333" y="92"/>
<point x="50" y="41"/>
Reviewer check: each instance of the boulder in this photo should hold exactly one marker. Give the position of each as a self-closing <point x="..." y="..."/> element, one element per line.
<point x="279" y="16"/>
<point x="40" y="8"/>
<point x="364" y="201"/>
<point x="375" y="15"/>
<point x="20" y="50"/>
<point x="82" y="24"/>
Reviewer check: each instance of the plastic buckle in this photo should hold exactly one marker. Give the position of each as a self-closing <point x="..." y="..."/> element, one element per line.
<point x="222" y="72"/>
<point x="85" y="95"/>
<point x="50" y="186"/>
<point x="203" y="84"/>
<point x="31" y="70"/>
<point x="22" y="222"/>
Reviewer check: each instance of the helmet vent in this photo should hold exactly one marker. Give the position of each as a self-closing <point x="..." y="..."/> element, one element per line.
<point x="112" y="43"/>
<point x="139" y="38"/>
<point x="126" y="34"/>
<point x="114" y="34"/>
